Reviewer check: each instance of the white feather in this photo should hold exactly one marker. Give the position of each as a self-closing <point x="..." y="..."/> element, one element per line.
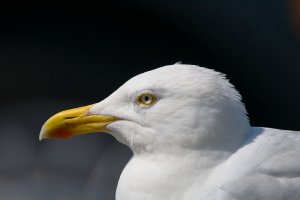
<point x="196" y="143"/>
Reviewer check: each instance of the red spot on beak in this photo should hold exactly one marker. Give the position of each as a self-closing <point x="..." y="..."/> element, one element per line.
<point x="61" y="133"/>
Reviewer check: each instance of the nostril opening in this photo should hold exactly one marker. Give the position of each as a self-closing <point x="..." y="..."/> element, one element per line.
<point x="69" y="117"/>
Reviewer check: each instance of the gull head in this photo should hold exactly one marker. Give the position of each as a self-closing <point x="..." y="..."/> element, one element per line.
<point x="172" y="108"/>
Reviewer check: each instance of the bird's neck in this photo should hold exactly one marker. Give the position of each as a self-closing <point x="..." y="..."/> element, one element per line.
<point x="158" y="174"/>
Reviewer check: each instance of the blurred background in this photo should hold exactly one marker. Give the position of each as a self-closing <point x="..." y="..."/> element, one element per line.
<point x="59" y="55"/>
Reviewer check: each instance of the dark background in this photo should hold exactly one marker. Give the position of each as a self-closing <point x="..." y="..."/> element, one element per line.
<point x="57" y="55"/>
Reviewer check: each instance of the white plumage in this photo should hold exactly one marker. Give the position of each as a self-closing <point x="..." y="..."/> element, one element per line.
<point x="195" y="141"/>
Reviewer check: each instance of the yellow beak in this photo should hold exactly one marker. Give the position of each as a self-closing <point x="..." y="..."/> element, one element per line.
<point x="73" y="122"/>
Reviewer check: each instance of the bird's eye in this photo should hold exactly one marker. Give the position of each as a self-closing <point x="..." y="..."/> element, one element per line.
<point x="146" y="99"/>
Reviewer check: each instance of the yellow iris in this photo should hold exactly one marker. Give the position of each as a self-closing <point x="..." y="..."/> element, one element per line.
<point x="146" y="99"/>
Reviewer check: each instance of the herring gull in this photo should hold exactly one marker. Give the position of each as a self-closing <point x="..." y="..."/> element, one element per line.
<point x="190" y="137"/>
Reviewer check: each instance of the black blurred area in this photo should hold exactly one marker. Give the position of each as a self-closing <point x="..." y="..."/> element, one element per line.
<point x="85" y="50"/>
<point x="57" y="55"/>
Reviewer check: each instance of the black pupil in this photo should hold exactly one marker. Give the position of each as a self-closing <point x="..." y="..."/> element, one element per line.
<point x="146" y="98"/>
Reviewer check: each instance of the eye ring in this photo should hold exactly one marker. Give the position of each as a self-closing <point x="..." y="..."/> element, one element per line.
<point x="146" y="99"/>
